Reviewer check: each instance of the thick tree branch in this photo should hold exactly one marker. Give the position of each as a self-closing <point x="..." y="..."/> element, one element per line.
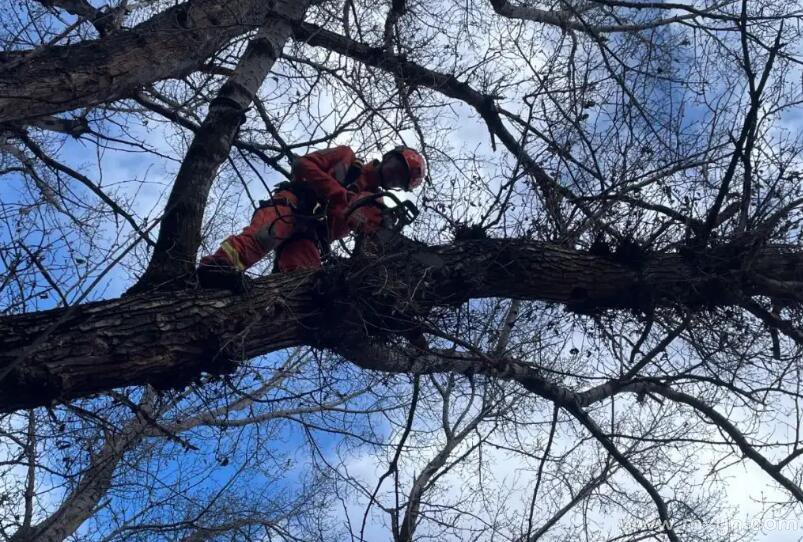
<point x="567" y="18"/>
<point x="104" y="20"/>
<point x="160" y="338"/>
<point x="170" y="44"/>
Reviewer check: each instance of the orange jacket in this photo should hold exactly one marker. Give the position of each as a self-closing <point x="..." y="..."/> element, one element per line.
<point x="324" y="172"/>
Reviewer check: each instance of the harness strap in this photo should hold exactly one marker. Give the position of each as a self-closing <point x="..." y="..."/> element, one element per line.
<point x="309" y="214"/>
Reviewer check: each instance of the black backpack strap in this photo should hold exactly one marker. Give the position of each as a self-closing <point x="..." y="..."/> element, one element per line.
<point x="307" y="199"/>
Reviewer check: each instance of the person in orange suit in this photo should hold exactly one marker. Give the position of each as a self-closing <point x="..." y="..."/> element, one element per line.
<point x="315" y="207"/>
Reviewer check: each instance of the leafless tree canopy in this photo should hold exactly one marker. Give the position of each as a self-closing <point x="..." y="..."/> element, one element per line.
<point x="593" y="331"/>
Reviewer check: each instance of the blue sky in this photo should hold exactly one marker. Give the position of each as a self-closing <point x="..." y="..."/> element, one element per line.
<point x="141" y="181"/>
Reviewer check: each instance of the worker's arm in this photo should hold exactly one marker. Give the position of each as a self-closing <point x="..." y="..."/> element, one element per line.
<point x="314" y="169"/>
<point x="351" y="217"/>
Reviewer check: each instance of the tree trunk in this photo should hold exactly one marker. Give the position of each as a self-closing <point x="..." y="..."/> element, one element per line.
<point x="167" y="338"/>
<point x="180" y="231"/>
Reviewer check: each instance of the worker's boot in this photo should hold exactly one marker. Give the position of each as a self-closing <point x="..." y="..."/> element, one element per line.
<point x="217" y="272"/>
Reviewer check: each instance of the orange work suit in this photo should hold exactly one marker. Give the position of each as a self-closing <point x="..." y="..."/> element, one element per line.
<point x="283" y="225"/>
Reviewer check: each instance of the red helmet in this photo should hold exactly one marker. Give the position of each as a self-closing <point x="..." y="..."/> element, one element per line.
<point x="416" y="165"/>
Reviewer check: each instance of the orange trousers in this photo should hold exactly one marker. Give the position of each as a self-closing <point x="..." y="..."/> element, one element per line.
<point x="271" y="228"/>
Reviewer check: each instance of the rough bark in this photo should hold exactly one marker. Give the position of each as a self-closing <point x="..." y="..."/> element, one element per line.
<point x="170" y="44"/>
<point x="180" y="231"/>
<point x="165" y="338"/>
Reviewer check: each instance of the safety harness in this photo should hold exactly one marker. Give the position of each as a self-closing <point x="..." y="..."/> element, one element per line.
<point x="310" y="213"/>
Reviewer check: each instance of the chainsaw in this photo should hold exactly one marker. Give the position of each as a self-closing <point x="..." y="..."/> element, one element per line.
<point x="396" y="217"/>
